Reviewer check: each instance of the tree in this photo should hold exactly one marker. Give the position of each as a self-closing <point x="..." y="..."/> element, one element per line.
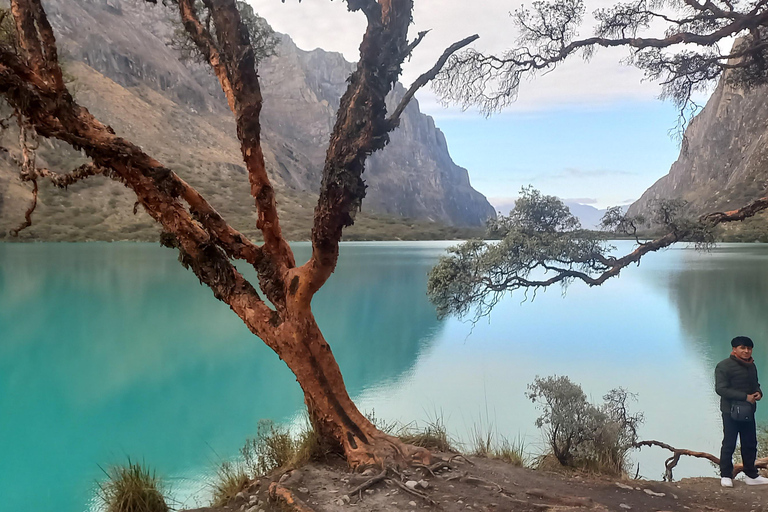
<point x="541" y="244"/>
<point x="31" y="82"/>
<point x="534" y="254"/>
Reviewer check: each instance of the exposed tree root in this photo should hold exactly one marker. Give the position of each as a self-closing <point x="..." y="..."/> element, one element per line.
<point x="569" y="501"/>
<point x="460" y="456"/>
<point x="386" y="452"/>
<point x="368" y="483"/>
<point x="672" y="461"/>
<point x="466" y="478"/>
<point x="412" y="491"/>
<point x="434" y="467"/>
<point x="287" y="499"/>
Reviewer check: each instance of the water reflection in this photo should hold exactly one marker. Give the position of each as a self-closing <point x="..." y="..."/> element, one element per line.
<point x="719" y="295"/>
<point x="108" y="350"/>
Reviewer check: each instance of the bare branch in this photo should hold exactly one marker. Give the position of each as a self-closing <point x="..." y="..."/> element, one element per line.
<point x="742" y="213"/>
<point x="419" y="38"/>
<point x="28" y="214"/>
<point x="65" y="180"/>
<point x="548" y="37"/>
<point x="234" y="65"/>
<point x="424" y="79"/>
<point x="54" y="113"/>
<point x="361" y="128"/>
<point x="672" y="461"/>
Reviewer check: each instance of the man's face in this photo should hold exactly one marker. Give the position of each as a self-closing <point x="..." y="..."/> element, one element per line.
<point x="743" y="352"/>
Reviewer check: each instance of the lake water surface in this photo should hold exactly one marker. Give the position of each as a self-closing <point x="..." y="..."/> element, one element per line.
<point x="114" y="350"/>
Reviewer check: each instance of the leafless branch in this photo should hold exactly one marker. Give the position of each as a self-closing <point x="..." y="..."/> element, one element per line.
<point x="424" y="79"/>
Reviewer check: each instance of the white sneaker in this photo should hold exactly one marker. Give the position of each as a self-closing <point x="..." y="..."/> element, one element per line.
<point x="728" y="482"/>
<point x="759" y="480"/>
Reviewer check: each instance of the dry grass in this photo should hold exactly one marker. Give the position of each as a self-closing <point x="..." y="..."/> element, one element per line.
<point x="487" y="442"/>
<point x="511" y="452"/>
<point x="273" y="448"/>
<point x="132" y="488"/>
<point x="433" y="436"/>
<point x="231" y="478"/>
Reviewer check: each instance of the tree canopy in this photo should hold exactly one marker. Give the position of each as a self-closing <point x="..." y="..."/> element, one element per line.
<point x="540" y="244"/>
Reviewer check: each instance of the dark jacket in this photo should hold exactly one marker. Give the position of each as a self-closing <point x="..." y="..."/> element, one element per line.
<point x="734" y="380"/>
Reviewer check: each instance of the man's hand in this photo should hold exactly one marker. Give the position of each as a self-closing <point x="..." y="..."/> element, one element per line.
<point x="754" y="397"/>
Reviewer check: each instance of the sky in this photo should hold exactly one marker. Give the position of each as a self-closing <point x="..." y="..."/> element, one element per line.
<point x="593" y="132"/>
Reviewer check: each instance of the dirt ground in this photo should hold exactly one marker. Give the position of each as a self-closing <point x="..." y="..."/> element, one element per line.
<point x="488" y="485"/>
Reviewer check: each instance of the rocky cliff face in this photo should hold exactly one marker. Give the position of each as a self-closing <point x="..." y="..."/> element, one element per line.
<point x="127" y="75"/>
<point x="724" y="163"/>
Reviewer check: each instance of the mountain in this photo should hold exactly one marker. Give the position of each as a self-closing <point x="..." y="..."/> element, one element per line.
<point x="588" y="215"/>
<point x="122" y="69"/>
<point x="723" y="163"/>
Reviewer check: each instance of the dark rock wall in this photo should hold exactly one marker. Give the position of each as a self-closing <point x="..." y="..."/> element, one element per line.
<point x="724" y="162"/>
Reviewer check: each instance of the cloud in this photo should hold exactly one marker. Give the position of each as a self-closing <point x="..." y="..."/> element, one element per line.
<point x="580" y="200"/>
<point x="573" y="173"/>
<point x="502" y="204"/>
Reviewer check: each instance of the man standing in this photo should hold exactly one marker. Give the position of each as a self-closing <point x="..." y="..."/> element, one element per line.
<point x="736" y="381"/>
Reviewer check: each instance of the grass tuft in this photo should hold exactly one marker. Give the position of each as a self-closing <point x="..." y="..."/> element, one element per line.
<point x="511" y="452"/>
<point x="307" y="446"/>
<point x="132" y="488"/>
<point x="274" y="447"/>
<point x="231" y="478"/>
<point x="434" y="436"/>
<point x="487" y="442"/>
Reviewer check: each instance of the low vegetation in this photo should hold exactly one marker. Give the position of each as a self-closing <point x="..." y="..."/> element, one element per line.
<point x="132" y="488"/>
<point x="580" y="434"/>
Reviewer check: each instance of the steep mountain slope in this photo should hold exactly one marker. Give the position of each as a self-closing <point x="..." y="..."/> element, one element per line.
<point x="724" y="162"/>
<point x="124" y="71"/>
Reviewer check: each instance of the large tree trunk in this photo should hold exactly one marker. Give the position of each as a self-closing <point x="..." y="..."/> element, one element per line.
<point x="332" y="412"/>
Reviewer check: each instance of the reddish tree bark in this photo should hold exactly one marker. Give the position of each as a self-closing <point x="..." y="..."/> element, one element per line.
<point x="32" y="84"/>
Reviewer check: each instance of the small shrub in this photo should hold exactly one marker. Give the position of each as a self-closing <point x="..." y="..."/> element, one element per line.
<point x="272" y="448"/>
<point x="580" y="434"/>
<point x="132" y="488"/>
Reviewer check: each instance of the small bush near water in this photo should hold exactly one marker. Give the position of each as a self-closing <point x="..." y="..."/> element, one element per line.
<point x="580" y="434"/>
<point x="132" y="488"/>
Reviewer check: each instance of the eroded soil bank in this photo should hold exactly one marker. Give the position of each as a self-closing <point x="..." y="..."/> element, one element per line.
<point x="488" y="485"/>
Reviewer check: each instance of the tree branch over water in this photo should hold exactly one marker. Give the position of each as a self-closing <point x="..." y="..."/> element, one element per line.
<point x="541" y="244"/>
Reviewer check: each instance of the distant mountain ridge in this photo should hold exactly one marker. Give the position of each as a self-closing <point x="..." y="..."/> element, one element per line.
<point x="127" y="75"/>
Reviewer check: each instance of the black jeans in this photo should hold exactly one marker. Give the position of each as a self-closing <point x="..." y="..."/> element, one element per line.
<point x="747" y="434"/>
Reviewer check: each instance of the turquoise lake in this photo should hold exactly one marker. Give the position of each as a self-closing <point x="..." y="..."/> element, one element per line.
<point x="114" y="350"/>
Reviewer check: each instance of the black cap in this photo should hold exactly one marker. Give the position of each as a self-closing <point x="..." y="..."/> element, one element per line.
<point x="739" y="341"/>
